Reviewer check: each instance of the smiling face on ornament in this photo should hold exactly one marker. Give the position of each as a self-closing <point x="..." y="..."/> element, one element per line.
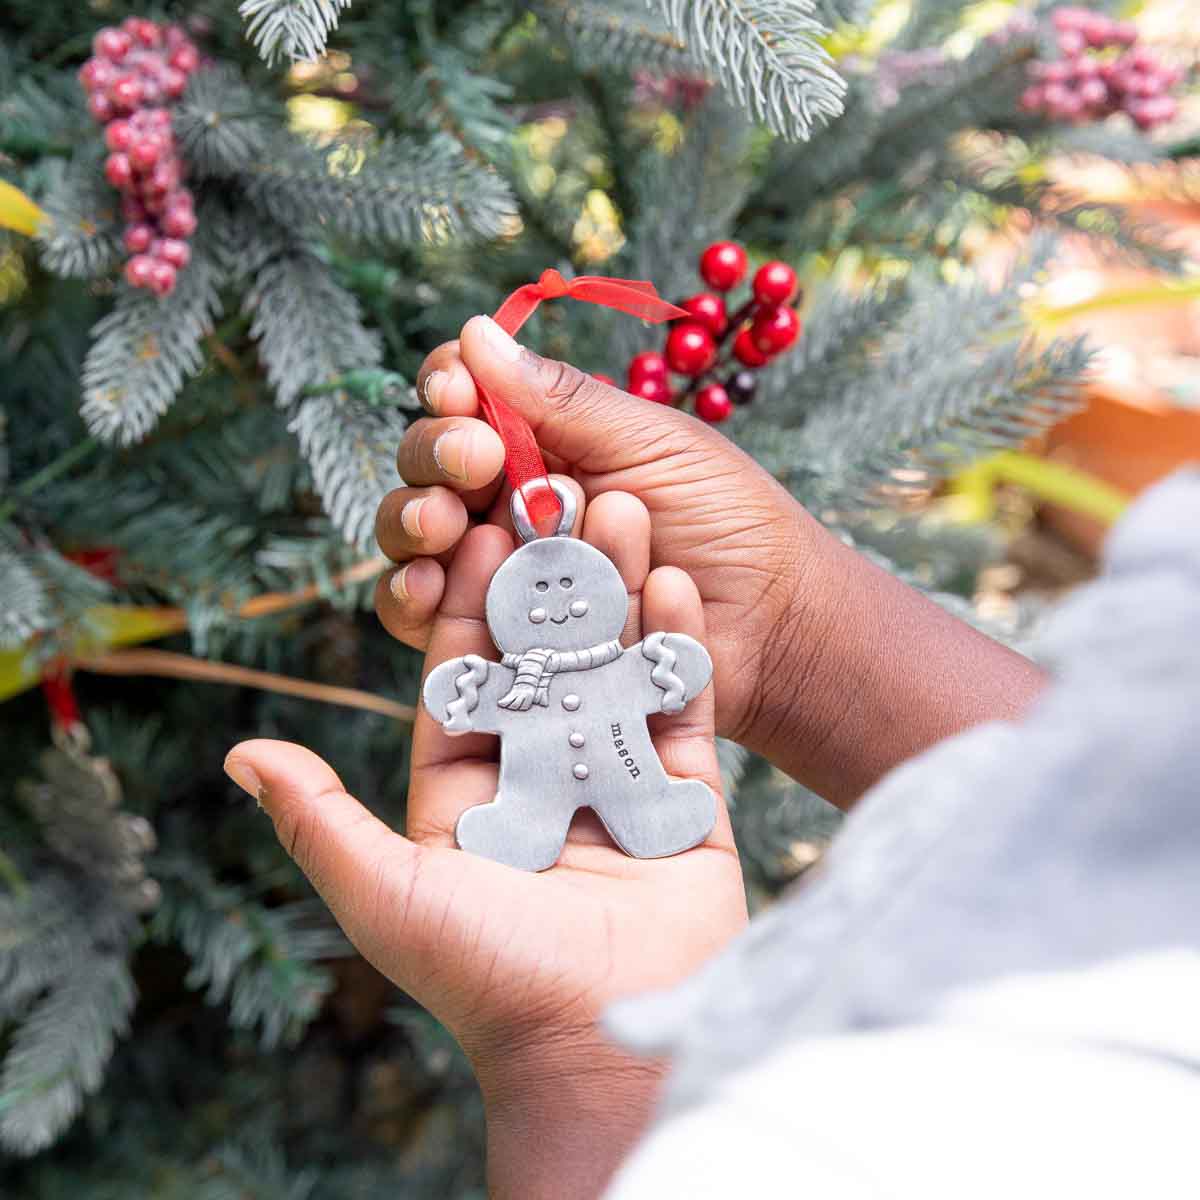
<point x="555" y="593"/>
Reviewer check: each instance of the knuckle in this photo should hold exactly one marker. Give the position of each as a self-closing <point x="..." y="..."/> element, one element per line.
<point x="568" y="389"/>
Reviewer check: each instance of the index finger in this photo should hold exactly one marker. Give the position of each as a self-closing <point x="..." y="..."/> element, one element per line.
<point x="445" y="386"/>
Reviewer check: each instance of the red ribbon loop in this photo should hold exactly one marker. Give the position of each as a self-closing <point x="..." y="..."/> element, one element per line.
<point x="523" y="460"/>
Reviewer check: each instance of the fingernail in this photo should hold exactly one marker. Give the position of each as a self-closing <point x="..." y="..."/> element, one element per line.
<point x="499" y="343"/>
<point x="431" y="390"/>
<point x="452" y="452"/>
<point x="244" y="775"/>
<point x="396" y="583"/>
<point x="410" y="517"/>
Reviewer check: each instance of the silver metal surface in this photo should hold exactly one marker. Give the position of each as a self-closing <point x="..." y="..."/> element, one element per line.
<point x="579" y="737"/>
<point x="566" y="522"/>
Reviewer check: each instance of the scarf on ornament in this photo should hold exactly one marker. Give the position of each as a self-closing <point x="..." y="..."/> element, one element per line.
<point x="535" y="668"/>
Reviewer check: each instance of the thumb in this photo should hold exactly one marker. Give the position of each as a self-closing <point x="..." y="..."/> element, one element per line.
<point x="363" y="870"/>
<point x="587" y="423"/>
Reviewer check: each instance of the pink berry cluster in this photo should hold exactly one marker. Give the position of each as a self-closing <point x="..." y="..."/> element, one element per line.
<point x="134" y="72"/>
<point x="1102" y="71"/>
<point x="713" y="342"/>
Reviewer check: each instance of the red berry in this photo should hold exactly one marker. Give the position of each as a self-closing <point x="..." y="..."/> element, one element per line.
<point x="126" y="93"/>
<point x="745" y="351"/>
<point x="652" y="389"/>
<point x="709" y="310"/>
<point x="100" y="106"/>
<point x="595" y="374"/>
<point x="647" y="365"/>
<point x="723" y="265"/>
<point x="112" y="44"/>
<point x="118" y="170"/>
<point x="175" y="83"/>
<point x="775" y="283"/>
<point x="691" y="349"/>
<point x="162" y="278"/>
<point x="139" y="270"/>
<point x="138" y="237"/>
<point x="775" y="330"/>
<point x="185" y="58"/>
<point x="1071" y="43"/>
<point x="144" y="31"/>
<point x="179" y="222"/>
<point x="157" y="118"/>
<point x="165" y="177"/>
<point x="713" y="404"/>
<point x="145" y="152"/>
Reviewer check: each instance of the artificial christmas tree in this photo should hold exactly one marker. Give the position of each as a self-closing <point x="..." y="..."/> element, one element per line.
<point x="197" y="463"/>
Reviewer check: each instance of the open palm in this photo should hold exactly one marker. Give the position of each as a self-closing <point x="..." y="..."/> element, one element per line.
<point x="511" y="960"/>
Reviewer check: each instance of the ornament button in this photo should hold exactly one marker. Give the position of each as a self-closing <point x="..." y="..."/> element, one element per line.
<point x="570" y="702"/>
<point x="580" y="771"/>
<point x="576" y="739"/>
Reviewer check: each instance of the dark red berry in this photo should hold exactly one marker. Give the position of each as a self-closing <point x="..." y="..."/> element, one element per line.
<point x="691" y="349"/>
<point x="775" y="283"/>
<point x="741" y="386"/>
<point x="179" y="222"/>
<point x="713" y="404"/>
<point x="112" y="44"/>
<point x="652" y="389"/>
<point x="178" y="253"/>
<point x="100" y="106"/>
<point x="118" y="136"/>
<point x="138" y="238"/>
<point x="126" y="93"/>
<point x="709" y="309"/>
<point x="775" y="330"/>
<point x="139" y="270"/>
<point x="145" y="152"/>
<point x="118" y="170"/>
<point x="746" y="352"/>
<point x="723" y="265"/>
<point x="647" y="365"/>
<point x="185" y="58"/>
<point x="162" y="278"/>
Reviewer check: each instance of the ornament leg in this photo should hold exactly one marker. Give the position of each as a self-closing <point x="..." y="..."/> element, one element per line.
<point x="528" y="835"/>
<point x="681" y="817"/>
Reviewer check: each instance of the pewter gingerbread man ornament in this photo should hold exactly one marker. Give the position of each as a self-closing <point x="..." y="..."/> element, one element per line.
<point x="570" y="707"/>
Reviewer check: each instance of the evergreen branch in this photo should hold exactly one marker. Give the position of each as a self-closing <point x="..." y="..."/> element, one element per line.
<point x="398" y="191"/>
<point x="144" y="350"/>
<point x="217" y="123"/>
<point x="617" y="35"/>
<point x="59" y="1053"/>
<point x="296" y="30"/>
<point x="82" y="238"/>
<point x="767" y="55"/>
<point x="261" y="961"/>
<point x="309" y="329"/>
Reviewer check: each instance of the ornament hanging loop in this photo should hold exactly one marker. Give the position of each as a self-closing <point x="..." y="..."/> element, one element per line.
<point x="520" y="510"/>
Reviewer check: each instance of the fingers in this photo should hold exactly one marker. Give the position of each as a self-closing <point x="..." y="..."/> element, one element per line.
<point x="445" y="386"/>
<point x="407" y="598"/>
<point x="449" y="774"/>
<point x="585" y="422"/>
<point x="361" y="868"/>
<point x="419" y="521"/>
<point x="618" y="525"/>
<point x="685" y="743"/>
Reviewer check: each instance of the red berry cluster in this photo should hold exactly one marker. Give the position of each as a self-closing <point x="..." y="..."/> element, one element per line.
<point x="1102" y="71"/>
<point x="758" y="330"/>
<point x="133" y="73"/>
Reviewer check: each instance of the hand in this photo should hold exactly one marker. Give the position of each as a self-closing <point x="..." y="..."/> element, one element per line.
<point x="823" y="663"/>
<point x="520" y="966"/>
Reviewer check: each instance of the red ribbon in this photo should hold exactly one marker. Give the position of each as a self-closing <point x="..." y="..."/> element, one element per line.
<point x="522" y="459"/>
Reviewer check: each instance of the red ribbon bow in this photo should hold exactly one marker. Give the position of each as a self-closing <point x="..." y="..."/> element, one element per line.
<point x="522" y="459"/>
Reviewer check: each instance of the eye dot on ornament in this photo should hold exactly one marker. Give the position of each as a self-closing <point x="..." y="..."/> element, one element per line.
<point x="537" y="615"/>
<point x="542" y="585"/>
<point x="578" y="608"/>
<point x="566" y="583"/>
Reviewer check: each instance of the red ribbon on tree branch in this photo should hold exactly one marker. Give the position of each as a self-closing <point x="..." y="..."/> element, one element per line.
<point x="523" y="462"/>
